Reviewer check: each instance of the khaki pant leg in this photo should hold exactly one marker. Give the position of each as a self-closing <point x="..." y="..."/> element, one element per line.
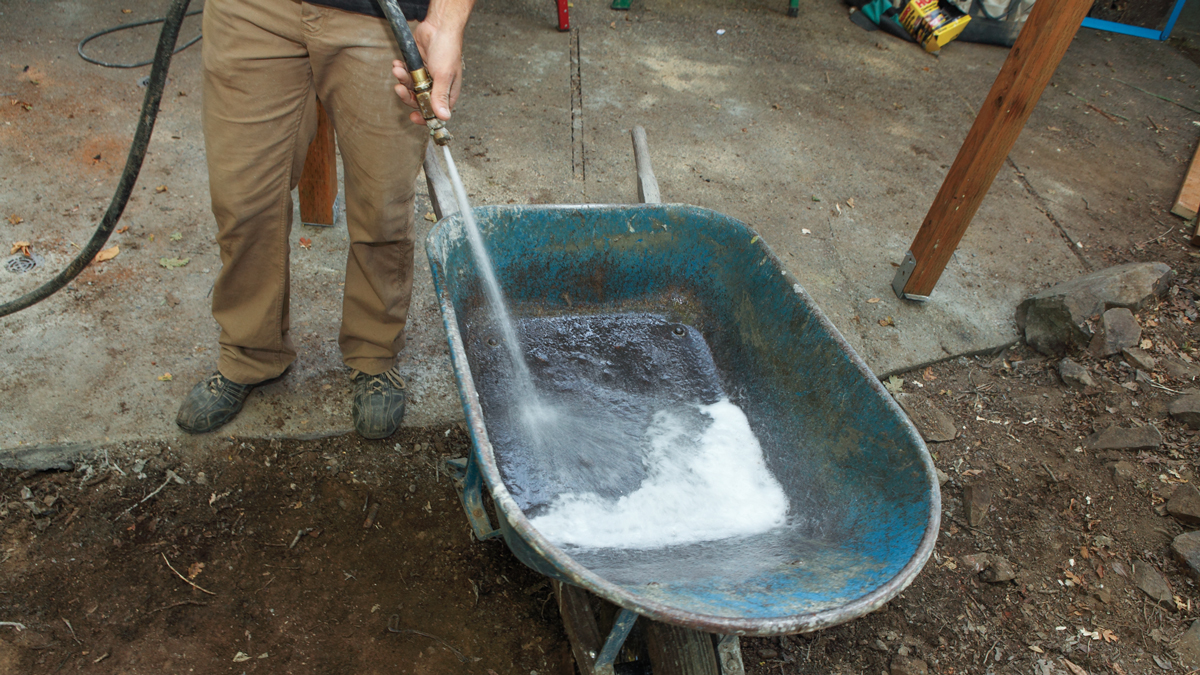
<point x="382" y="151"/>
<point x="259" y="115"/>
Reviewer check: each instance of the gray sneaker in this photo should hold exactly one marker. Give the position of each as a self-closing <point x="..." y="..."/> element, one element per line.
<point x="378" y="403"/>
<point x="211" y="403"/>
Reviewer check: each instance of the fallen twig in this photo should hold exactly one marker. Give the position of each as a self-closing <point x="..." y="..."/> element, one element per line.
<point x="299" y="533"/>
<point x="1158" y="96"/>
<point x="189" y="581"/>
<point x="1165" y="233"/>
<point x="178" y="604"/>
<point x="394" y="627"/>
<point x="73" y="636"/>
<point x="170" y="477"/>
<point x="1052" y="476"/>
<point x="1156" y="385"/>
<point x="15" y="624"/>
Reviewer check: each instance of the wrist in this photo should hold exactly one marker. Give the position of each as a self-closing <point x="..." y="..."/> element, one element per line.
<point x="448" y="15"/>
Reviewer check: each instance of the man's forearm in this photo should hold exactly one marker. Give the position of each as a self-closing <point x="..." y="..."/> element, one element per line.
<point x="449" y="14"/>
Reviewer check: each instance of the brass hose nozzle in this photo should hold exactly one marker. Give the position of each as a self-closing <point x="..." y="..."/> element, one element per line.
<point x="422" y="85"/>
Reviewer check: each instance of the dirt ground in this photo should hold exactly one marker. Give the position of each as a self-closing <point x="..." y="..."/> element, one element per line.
<point x="294" y="579"/>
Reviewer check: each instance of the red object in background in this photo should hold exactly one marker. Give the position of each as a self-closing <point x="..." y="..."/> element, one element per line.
<point x="564" y="15"/>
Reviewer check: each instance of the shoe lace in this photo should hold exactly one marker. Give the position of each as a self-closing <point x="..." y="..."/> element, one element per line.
<point x="378" y="383"/>
<point x="214" y="384"/>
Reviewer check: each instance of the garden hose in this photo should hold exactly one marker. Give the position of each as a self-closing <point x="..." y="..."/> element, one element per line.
<point x="126" y="26"/>
<point x="133" y="164"/>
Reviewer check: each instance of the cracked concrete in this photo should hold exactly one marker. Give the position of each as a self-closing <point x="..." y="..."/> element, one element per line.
<point x="831" y="142"/>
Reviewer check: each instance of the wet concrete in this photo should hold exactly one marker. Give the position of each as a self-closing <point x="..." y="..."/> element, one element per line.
<point x="829" y="141"/>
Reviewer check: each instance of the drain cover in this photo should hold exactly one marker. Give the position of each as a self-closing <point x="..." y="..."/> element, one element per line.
<point x="20" y="264"/>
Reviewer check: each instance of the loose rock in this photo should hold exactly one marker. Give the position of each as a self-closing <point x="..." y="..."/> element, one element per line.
<point x="1188" y="646"/>
<point x="1054" y="321"/>
<point x="977" y="562"/>
<point x="905" y="665"/>
<point x="943" y="477"/>
<point x="934" y="424"/>
<point x="1186" y="548"/>
<point x="1186" y="409"/>
<point x="1184" y="504"/>
<point x="1123" y="470"/>
<point x="1075" y="375"/>
<point x="1119" y="330"/>
<point x="999" y="571"/>
<point x="1119" y="438"/>
<point x="977" y="499"/>
<point x="1139" y="359"/>
<point x="1152" y="583"/>
<point x="1179" y="369"/>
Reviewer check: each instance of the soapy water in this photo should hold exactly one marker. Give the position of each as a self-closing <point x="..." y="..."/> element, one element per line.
<point x="705" y="479"/>
<point x="630" y="442"/>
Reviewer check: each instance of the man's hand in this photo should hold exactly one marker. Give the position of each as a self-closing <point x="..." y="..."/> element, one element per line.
<point x="440" y="39"/>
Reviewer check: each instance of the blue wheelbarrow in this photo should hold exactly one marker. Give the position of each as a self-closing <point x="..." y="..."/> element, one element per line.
<point x="862" y="492"/>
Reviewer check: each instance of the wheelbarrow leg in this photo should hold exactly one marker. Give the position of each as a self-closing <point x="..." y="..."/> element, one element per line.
<point x="469" y="482"/>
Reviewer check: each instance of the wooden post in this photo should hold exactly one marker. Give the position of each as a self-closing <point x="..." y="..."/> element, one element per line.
<point x="1188" y="201"/>
<point x="1041" y="45"/>
<point x="318" y="181"/>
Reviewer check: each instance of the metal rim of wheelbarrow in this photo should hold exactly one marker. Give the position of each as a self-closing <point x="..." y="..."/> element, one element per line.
<point x="580" y="575"/>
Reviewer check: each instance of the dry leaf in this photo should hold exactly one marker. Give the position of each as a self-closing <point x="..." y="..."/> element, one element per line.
<point x="1147" y="344"/>
<point x="873" y="300"/>
<point x="107" y="254"/>
<point x="127" y="11"/>
<point x="1075" y="670"/>
<point x="14" y="219"/>
<point x="171" y="263"/>
<point x="887" y="322"/>
<point x="161" y="188"/>
<point x="430" y="217"/>
<point x="195" y="569"/>
<point x="241" y="656"/>
<point x="305" y="243"/>
<point x="1108" y="635"/>
<point x="973" y="472"/>
<point x="22" y="247"/>
<point x="850" y="202"/>
<point x="928" y="375"/>
<point x="1035" y="648"/>
<point x="123" y="229"/>
<point x="165" y="377"/>
<point x="805" y="230"/>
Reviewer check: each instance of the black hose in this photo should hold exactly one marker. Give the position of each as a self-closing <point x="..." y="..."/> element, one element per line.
<point x="133" y="164"/>
<point x="124" y="26"/>
<point x="404" y="36"/>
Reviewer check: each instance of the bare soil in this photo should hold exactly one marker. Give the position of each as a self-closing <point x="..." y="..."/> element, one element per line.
<point x="294" y="577"/>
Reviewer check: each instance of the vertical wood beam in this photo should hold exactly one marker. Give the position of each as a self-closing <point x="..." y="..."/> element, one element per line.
<point x="1031" y="62"/>
<point x="318" y="180"/>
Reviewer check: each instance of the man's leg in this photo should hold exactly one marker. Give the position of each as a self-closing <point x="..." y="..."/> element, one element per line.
<point x="382" y="151"/>
<point x="258" y="115"/>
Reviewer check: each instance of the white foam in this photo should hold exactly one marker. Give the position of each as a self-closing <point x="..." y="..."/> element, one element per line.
<point x="706" y="479"/>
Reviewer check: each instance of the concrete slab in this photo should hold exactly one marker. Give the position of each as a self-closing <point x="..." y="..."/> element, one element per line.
<point x="828" y="140"/>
